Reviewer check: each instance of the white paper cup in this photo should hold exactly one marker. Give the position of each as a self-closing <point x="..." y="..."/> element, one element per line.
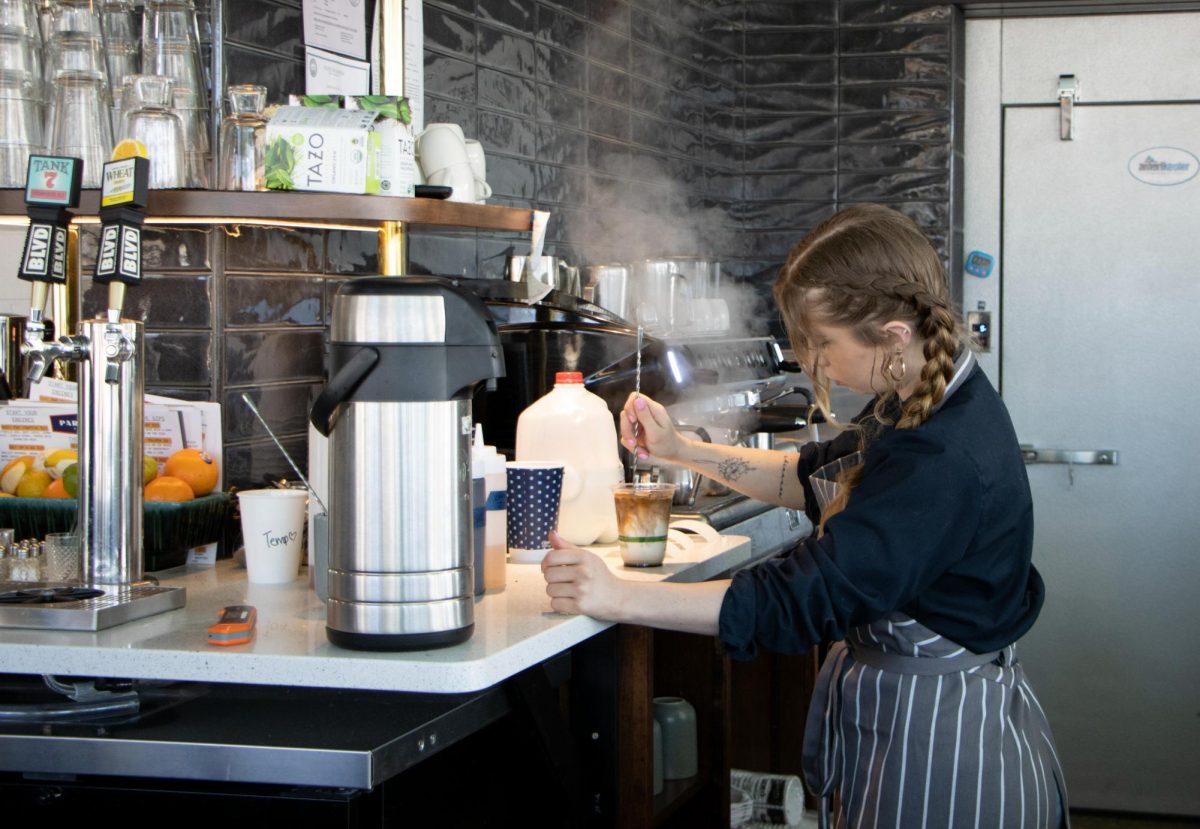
<point x="273" y="532"/>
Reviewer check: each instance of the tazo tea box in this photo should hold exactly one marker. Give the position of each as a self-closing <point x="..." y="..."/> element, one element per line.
<point x="327" y="150"/>
<point x="396" y="166"/>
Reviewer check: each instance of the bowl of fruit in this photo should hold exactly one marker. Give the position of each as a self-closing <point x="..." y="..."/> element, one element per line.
<point x="183" y="508"/>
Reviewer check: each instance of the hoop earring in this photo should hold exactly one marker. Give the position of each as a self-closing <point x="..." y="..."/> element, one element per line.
<point x="892" y="371"/>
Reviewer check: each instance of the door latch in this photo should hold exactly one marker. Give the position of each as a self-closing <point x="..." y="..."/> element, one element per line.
<point x="1074" y="457"/>
<point x="1068" y="94"/>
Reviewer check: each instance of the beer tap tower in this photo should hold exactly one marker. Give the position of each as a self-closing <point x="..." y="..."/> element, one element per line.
<point x="110" y="355"/>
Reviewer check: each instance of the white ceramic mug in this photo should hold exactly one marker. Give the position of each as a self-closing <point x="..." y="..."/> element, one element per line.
<point x="478" y="162"/>
<point x="458" y="177"/>
<point x="441" y="146"/>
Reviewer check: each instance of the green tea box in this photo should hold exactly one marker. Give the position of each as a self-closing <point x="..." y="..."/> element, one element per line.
<point x="326" y="150"/>
<point x="396" y="165"/>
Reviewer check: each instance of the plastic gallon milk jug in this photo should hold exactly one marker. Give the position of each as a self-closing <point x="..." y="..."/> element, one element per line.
<point x="572" y="426"/>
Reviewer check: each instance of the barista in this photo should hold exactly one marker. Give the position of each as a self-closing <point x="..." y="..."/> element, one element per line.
<point x="920" y="567"/>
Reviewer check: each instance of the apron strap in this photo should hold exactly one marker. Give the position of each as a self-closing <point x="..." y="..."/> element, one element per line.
<point x="920" y="665"/>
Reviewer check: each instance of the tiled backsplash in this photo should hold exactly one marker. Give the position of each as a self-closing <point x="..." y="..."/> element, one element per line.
<point x="725" y="128"/>
<point x="718" y="127"/>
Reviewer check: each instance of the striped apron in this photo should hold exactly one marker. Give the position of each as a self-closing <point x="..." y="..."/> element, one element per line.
<point x="912" y="729"/>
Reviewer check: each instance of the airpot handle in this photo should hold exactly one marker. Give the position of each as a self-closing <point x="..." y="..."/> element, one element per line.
<point x="327" y="407"/>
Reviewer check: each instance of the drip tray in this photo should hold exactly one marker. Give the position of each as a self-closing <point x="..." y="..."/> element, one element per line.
<point x="51" y="606"/>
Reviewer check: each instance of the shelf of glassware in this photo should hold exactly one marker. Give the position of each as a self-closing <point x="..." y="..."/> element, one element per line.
<point x="225" y="207"/>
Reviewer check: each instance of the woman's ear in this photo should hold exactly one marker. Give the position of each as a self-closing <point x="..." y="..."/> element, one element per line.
<point x="898" y="332"/>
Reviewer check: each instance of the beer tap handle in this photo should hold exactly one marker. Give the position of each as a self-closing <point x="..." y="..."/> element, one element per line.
<point x="123" y="193"/>
<point x="38" y="293"/>
<point x="51" y="187"/>
<point x="116" y="300"/>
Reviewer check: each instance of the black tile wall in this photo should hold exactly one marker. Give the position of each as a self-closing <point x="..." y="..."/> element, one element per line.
<point x="718" y="127"/>
<point x="854" y="99"/>
<point x="786" y="110"/>
<point x="610" y="114"/>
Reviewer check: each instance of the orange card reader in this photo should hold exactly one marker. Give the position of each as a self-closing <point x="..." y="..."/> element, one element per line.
<point x="235" y="627"/>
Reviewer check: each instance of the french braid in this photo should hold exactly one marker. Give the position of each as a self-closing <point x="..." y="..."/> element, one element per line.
<point x="864" y="266"/>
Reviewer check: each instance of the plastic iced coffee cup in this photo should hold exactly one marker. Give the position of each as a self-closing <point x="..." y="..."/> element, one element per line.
<point x="643" y="515"/>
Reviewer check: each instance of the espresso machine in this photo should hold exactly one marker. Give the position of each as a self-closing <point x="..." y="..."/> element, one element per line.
<point x="406" y="357"/>
<point x="109" y="353"/>
<point x="713" y="385"/>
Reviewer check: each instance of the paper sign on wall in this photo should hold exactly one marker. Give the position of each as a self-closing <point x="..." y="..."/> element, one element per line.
<point x="341" y="26"/>
<point x="328" y="74"/>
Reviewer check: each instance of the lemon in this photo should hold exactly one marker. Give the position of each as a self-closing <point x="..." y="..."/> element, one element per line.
<point x="129" y="148"/>
<point x="11" y="475"/>
<point x="33" y="484"/>
<point x="55" y="461"/>
<point x="149" y="469"/>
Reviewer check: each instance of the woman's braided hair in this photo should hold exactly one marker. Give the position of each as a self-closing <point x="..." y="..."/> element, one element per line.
<point x="859" y="269"/>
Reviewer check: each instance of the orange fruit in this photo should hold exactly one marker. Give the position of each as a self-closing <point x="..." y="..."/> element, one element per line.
<point x="197" y="469"/>
<point x="166" y="488"/>
<point x="57" y="489"/>
<point x="33" y="484"/>
<point x="13" y="471"/>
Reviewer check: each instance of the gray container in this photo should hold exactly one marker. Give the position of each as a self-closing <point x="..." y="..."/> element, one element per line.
<point x="406" y="355"/>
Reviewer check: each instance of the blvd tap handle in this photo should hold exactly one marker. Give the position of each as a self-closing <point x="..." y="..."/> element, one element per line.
<point x="124" y="189"/>
<point x="51" y="188"/>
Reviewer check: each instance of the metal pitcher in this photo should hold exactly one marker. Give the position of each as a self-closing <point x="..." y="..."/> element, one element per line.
<point x="549" y="270"/>
<point x="664" y="297"/>
<point x="686" y="480"/>
<point x="609" y="286"/>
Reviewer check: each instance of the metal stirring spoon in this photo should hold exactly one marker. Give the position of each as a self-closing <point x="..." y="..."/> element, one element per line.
<point x="637" y="392"/>
<point x="246" y="399"/>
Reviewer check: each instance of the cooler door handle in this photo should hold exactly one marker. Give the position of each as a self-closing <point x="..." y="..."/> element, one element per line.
<point x="1075" y="457"/>
<point x="327" y="406"/>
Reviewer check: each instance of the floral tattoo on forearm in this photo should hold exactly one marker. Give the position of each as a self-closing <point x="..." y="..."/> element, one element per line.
<point x="733" y="468"/>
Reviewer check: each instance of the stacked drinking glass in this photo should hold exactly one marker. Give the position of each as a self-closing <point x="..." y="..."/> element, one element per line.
<point x="171" y="48"/>
<point x="22" y="92"/>
<point x="71" y="81"/>
<point x="80" y="120"/>
<point x="150" y="119"/>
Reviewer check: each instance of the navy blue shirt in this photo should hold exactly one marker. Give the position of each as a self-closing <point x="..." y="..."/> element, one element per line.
<point x="940" y="528"/>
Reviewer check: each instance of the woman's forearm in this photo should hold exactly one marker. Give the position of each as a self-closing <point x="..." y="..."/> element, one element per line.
<point x="763" y="474"/>
<point x="690" y="608"/>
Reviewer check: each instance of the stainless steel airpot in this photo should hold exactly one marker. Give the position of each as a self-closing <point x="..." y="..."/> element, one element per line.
<point x="406" y="356"/>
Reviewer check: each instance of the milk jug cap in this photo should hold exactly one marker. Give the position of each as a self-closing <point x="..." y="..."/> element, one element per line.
<point x="568" y="378"/>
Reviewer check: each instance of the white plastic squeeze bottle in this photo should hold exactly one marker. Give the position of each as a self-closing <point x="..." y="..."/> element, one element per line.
<point x="495" y="554"/>
<point x="478" y="508"/>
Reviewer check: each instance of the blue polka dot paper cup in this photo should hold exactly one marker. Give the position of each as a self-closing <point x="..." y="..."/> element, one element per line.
<point x="534" y="494"/>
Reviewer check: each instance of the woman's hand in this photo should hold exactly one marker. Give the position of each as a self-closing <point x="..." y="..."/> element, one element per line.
<point x="656" y="433"/>
<point x="578" y="582"/>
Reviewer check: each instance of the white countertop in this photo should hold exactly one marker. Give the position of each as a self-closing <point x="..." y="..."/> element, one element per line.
<point x="514" y="630"/>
